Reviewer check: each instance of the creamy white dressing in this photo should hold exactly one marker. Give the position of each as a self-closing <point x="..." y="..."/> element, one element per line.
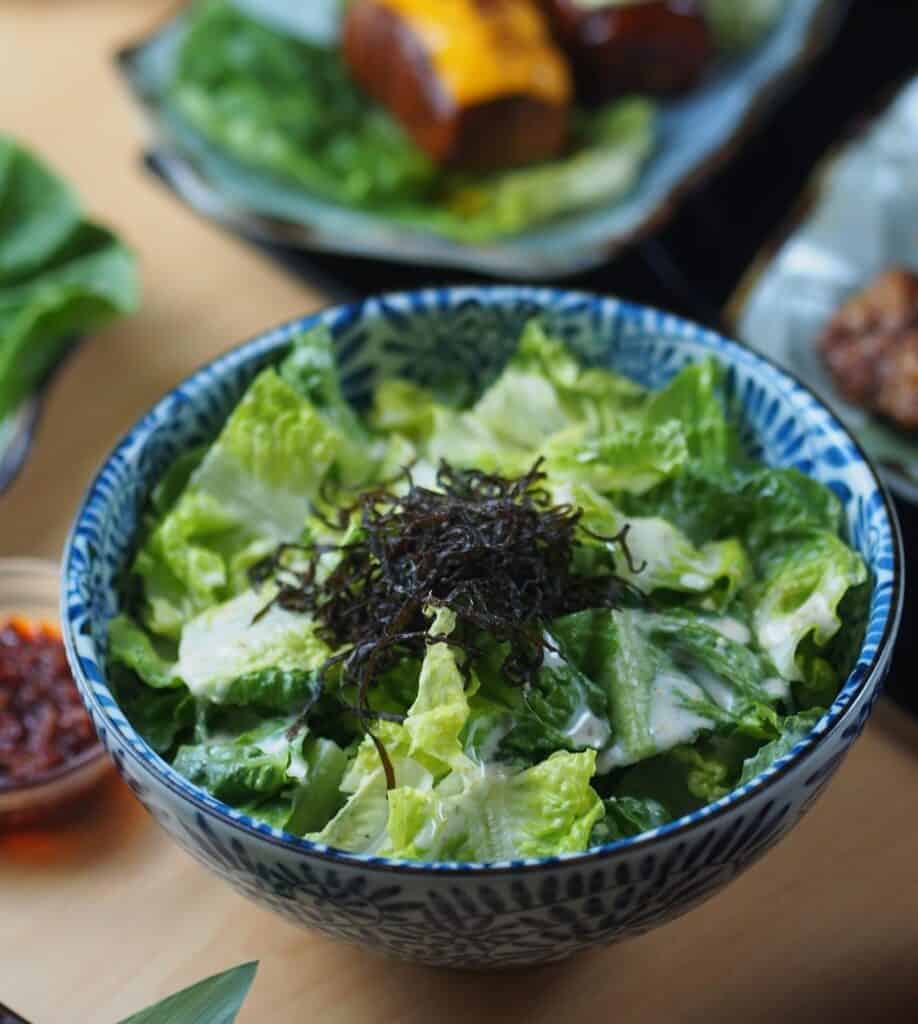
<point x="721" y="693"/>
<point x="654" y="542"/>
<point x="487" y="749"/>
<point x="298" y="768"/>
<point x="779" y="635"/>
<point x="731" y="628"/>
<point x="587" y="729"/>
<point x="278" y="512"/>
<point x="551" y="656"/>
<point x="694" y="581"/>
<point x="223" y="643"/>
<point x="777" y="689"/>
<point x="276" y="743"/>
<point x="671" y="723"/>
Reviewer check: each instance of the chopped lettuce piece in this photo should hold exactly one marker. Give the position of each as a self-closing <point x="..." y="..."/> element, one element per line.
<point x="691" y="399"/>
<point x="238" y="770"/>
<point x="495" y="815"/>
<point x="401" y="407"/>
<point x="130" y="646"/>
<point x="274" y="689"/>
<point x="663" y="558"/>
<point x="318" y="797"/>
<point x="563" y="709"/>
<point x="164" y="717"/>
<point x="252" y="490"/>
<point x="630" y="458"/>
<point x="755" y="504"/>
<point x="422" y="750"/>
<point x="59" y="275"/>
<point x="311" y="369"/>
<point x="671" y="677"/>
<point x="627" y="816"/>
<point x="793" y="730"/>
<point x="804" y="578"/>
<point x="686" y="777"/>
<point x="225" y="652"/>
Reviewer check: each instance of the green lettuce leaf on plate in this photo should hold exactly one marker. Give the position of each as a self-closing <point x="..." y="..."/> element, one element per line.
<point x="739" y="26"/>
<point x="289" y="107"/>
<point x="60" y="276"/>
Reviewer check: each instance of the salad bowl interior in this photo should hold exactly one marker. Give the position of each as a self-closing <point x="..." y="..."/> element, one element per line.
<point x="511" y="912"/>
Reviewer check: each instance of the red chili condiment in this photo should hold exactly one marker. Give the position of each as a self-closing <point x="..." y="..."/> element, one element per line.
<point x="42" y="721"/>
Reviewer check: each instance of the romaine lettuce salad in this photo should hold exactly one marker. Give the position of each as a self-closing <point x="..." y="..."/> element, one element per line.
<point x="564" y="615"/>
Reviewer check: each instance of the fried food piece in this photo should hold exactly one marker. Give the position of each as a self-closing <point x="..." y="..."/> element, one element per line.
<point x="870" y="347"/>
<point x="660" y="47"/>
<point x="478" y="84"/>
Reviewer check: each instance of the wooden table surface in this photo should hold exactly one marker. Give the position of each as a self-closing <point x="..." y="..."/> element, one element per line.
<point x="104" y="915"/>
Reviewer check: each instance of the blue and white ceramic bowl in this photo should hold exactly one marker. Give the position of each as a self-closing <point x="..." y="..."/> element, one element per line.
<point x="521" y="912"/>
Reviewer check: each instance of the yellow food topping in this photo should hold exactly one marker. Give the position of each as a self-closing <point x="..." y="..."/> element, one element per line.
<point x="484" y="49"/>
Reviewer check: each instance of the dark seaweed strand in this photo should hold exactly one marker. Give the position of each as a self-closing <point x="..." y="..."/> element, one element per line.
<point x="492" y="550"/>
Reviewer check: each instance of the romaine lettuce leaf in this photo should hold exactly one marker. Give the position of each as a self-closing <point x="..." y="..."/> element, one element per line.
<point x="130" y="646"/>
<point x="663" y="558"/>
<point x="421" y="751"/>
<point x="563" y="709"/>
<point x="486" y="816"/>
<point x="627" y="816"/>
<point x="401" y="407"/>
<point x="311" y="369"/>
<point x="318" y="797"/>
<point x="793" y="730"/>
<point x="291" y="108"/>
<point x="252" y="490"/>
<point x="59" y="275"/>
<point x="240" y="770"/>
<point x="163" y="717"/>
<point x="691" y="399"/>
<point x="753" y="503"/>
<point x="228" y="654"/>
<point x="629" y="458"/>
<point x="804" y="578"/>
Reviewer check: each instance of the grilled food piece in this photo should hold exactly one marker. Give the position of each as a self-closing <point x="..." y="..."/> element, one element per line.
<point x="478" y="84"/>
<point x="870" y="347"/>
<point x="660" y="47"/>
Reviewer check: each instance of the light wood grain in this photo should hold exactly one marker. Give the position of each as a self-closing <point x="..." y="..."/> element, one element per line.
<point x="105" y="915"/>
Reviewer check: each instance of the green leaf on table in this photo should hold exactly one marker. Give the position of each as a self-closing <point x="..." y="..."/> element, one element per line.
<point x="216" y="1000"/>
<point x="59" y="275"/>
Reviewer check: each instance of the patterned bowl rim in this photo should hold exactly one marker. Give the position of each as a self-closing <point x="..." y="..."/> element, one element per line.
<point x="679" y="329"/>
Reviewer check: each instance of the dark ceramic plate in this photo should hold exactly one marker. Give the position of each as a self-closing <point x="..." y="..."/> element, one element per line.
<point x="696" y="135"/>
